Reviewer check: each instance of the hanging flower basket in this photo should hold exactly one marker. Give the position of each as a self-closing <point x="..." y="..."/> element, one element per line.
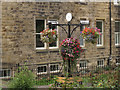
<point x="91" y="34"/>
<point x="48" y="36"/>
<point x="70" y="50"/>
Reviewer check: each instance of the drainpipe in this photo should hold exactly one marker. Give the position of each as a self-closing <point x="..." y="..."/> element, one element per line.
<point x="110" y="35"/>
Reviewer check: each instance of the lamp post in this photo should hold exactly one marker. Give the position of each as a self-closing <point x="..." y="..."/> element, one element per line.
<point x="69" y="33"/>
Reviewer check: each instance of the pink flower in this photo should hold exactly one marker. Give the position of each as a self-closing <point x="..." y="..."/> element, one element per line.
<point x="69" y="55"/>
<point x="98" y="30"/>
<point x="77" y="51"/>
<point x="100" y="33"/>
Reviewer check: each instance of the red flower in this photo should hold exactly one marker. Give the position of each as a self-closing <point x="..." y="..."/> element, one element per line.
<point x="64" y="58"/>
<point x="77" y="45"/>
<point x="53" y="33"/>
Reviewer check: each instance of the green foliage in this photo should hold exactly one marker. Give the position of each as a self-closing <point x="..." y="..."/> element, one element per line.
<point x="23" y="80"/>
<point x="104" y="80"/>
<point x="44" y="81"/>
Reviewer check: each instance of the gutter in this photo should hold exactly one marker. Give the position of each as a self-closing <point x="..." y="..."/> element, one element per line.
<point x="110" y="35"/>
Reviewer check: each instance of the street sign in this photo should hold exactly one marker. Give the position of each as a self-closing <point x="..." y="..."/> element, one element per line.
<point x="84" y="21"/>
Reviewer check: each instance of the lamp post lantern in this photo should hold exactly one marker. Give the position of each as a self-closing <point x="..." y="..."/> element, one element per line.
<point x="68" y="17"/>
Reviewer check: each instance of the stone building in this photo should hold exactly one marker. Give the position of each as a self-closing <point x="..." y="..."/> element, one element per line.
<point x="22" y="22"/>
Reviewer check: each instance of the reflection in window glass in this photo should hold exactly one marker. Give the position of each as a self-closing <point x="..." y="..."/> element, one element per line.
<point x="40" y="25"/>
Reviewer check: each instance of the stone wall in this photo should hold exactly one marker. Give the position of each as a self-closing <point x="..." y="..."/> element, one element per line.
<point x="18" y="30"/>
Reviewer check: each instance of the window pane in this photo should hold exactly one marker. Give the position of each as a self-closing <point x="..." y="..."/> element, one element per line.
<point x="8" y="72"/>
<point x="116" y="38"/>
<point x="54" y="44"/>
<point x="83" y="64"/>
<point x="1" y="73"/>
<point x="44" y="69"/>
<point x="119" y="38"/>
<point x="54" y="67"/>
<point x="39" y="26"/>
<point x="81" y="41"/>
<point x="81" y="38"/>
<point x="100" y="39"/>
<point x="5" y="73"/>
<point x="81" y="28"/>
<point x="100" y="62"/>
<point x="118" y="60"/>
<point x="41" y="69"/>
<point x="38" y="42"/>
<point x="117" y="26"/>
<point x="99" y="25"/>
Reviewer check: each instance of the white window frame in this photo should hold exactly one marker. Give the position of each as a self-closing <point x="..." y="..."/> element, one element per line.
<point x="53" y="22"/>
<point x="116" y="2"/>
<point x="83" y="62"/>
<point x="38" y="73"/>
<point x="7" y="73"/>
<point x="100" y="62"/>
<point x="55" y="70"/>
<point x="83" y="39"/>
<point x="45" y="45"/>
<point x="117" y="35"/>
<point x="102" y="34"/>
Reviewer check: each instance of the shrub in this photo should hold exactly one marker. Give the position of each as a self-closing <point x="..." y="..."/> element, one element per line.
<point x="23" y="80"/>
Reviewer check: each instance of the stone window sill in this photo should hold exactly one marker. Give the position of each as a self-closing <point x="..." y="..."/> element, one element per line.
<point x="100" y="47"/>
<point x="117" y="46"/>
<point x="46" y="50"/>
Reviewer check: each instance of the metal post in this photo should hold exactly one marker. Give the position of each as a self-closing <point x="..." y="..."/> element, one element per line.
<point x="69" y="30"/>
<point x="69" y="68"/>
<point x="18" y="67"/>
